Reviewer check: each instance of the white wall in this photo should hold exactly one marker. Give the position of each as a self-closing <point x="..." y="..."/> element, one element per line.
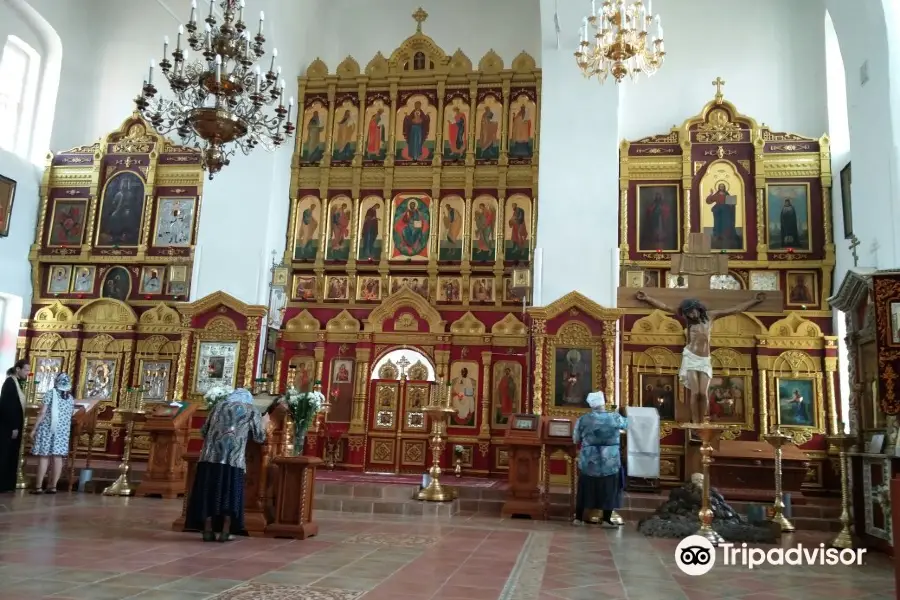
<point x="15" y="270"/>
<point x="769" y="54"/>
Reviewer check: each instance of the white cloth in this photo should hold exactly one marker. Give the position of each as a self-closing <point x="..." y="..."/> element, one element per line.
<point x="596" y="399"/>
<point x="643" y="442"/>
<point x="692" y="362"/>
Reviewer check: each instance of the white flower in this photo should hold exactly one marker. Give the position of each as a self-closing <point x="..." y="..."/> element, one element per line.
<point x="217" y="392"/>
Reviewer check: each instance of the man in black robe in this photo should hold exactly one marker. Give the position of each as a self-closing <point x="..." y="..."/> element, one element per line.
<point x="12" y="415"/>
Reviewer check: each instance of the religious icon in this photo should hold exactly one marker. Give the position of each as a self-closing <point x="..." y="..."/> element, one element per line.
<point x="482" y="289"/>
<point x="764" y="281"/>
<point x="722" y="206"/>
<point x="658" y="218"/>
<point x="377" y="123"/>
<point x="634" y="279"/>
<point x="116" y="284"/>
<point x="338" y="236"/>
<point x="449" y="289"/>
<point x="415" y="132"/>
<point x="151" y="281"/>
<point x="177" y="288"/>
<point x="216" y="365"/>
<point x="306" y="238"/>
<point x="456" y="129"/>
<point x="516" y="242"/>
<point x="174" y="222"/>
<point x="484" y="227"/>
<point x="573" y="369"/>
<point x="341" y="381"/>
<point x="371" y="241"/>
<point x="725" y="281"/>
<point x="487" y="128"/>
<point x="411" y="228"/>
<point x="178" y="273"/>
<point x="67" y="223"/>
<point x="651" y="279"/>
<point x="83" y="282"/>
<point x="312" y="146"/>
<point x="277" y="305"/>
<point x="507" y="392"/>
<point x="58" y="279"/>
<point x="658" y="391"/>
<point x="451" y="228"/>
<point x="416" y="283"/>
<point x="510" y="293"/>
<point x="337" y="287"/>
<point x="676" y="281"/>
<point x="521" y="127"/>
<point x="304" y="287"/>
<point x="464" y="393"/>
<point x="154" y="376"/>
<point x="98" y="379"/>
<point x="7" y="196"/>
<point x="895" y="322"/>
<point x="345" y="118"/>
<point x="796" y="402"/>
<point x="46" y="368"/>
<point x="727" y="396"/>
<point x="788" y="210"/>
<point x="368" y="289"/>
<point x="303" y="374"/>
<point x="121" y="211"/>
<point x="802" y="288"/>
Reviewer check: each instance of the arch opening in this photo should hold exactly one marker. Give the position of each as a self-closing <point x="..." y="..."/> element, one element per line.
<point x="408" y="362"/>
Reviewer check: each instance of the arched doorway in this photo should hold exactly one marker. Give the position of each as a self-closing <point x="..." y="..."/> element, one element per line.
<point x="399" y="388"/>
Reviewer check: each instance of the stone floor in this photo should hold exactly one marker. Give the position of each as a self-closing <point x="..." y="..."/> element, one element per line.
<point x="95" y="548"/>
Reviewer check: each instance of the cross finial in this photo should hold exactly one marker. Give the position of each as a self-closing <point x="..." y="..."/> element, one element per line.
<point x="719" y="82"/>
<point x="420" y="16"/>
<point x="854" y="243"/>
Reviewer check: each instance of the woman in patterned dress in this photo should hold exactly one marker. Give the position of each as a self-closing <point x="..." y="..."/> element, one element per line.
<point x="216" y="503"/>
<point x="50" y="436"/>
<point x="600" y="461"/>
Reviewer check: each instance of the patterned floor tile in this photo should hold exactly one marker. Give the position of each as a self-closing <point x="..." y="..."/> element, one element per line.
<point x="269" y="591"/>
<point x="397" y="541"/>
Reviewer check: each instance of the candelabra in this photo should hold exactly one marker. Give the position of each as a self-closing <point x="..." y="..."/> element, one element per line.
<point x="219" y="100"/>
<point x="777" y="440"/>
<point x="623" y="44"/>
<point x="844" y="539"/>
<point x="708" y="433"/>
<point x="131" y="411"/>
<point x="31" y="408"/>
<point x="438" y="411"/>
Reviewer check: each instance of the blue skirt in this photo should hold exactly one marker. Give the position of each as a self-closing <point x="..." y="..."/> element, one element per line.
<point x="218" y="492"/>
<point x="600" y="493"/>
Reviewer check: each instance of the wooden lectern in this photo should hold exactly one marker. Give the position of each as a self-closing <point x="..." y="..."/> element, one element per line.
<point x="523" y="438"/>
<point x="84" y="420"/>
<point x="258" y="493"/>
<point x="557" y="435"/>
<point x="169" y="426"/>
<point x="295" y="486"/>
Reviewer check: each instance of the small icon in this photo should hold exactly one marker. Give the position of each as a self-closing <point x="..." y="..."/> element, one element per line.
<point x="695" y="556"/>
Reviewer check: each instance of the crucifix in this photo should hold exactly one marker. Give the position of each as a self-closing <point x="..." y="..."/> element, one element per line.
<point x="719" y="82"/>
<point x="698" y="306"/>
<point x="854" y="244"/>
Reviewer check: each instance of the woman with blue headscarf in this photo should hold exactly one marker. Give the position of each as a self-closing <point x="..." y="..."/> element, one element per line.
<point x="50" y="436"/>
<point x="600" y="461"/>
<point x="216" y="503"/>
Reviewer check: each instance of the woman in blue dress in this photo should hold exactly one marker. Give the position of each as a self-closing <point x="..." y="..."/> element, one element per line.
<point x="50" y="436"/>
<point x="600" y="461"/>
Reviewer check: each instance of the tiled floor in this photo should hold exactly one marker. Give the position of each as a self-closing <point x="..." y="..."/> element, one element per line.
<point x="95" y="548"/>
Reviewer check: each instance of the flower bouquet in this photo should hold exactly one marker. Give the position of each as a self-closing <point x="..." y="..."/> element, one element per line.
<point x="304" y="406"/>
<point x="216" y="394"/>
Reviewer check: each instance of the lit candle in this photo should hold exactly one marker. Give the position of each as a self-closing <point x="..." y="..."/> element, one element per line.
<point x="218" y="69"/>
<point x="165" y="46"/>
<point x="281" y="94"/>
<point x="290" y="108"/>
<point x="593" y="8"/>
<point x="150" y="77"/>
<point x="278" y="72"/>
<point x="193" y="11"/>
<point x="180" y="33"/>
<point x="272" y="64"/>
<point x="262" y="17"/>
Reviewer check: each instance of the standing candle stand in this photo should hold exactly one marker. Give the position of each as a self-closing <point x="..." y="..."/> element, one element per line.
<point x="132" y="411"/>
<point x="777" y="440"/>
<point x="31" y="408"/>
<point x="844" y="539"/>
<point x="439" y="411"/>
<point x="329" y="448"/>
<point x="709" y="434"/>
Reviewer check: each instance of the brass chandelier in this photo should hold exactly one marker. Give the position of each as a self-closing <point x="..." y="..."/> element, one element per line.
<point x="623" y="41"/>
<point x="220" y="100"/>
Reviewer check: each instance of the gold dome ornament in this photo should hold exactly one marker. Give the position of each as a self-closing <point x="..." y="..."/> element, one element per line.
<point x="219" y="101"/>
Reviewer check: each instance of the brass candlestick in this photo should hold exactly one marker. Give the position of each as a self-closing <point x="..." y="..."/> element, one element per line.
<point x="130" y="412"/>
<point x="31" y="408"/>
<point x="708" y="433"/>
<point x="777" y="440"/>
<point x="844" y="539"/>
<point x="439" y="411"/>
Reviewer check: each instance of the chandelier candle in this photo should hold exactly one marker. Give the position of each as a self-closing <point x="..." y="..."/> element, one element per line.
<point x="221" y="102"/>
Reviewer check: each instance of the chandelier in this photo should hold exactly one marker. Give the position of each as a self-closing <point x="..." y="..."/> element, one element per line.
<point x="221" y="101"/>
<point x="623" y="42"/>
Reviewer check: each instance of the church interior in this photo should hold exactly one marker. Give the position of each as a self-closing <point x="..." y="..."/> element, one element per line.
<point x="411" y="229"/>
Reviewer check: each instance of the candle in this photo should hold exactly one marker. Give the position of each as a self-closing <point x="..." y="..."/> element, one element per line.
<point x="272" y="64"/>
<point x="262" y="17"/>
<point x="165" y="46"/>
<point x="622" y="15"/>
<point x="211" y="3"/>
<point x="281" y="94"/>
<point x="241" y="12"/>
<point x="584" y="30"/>
<point x="650" y="8"/>
<point x="290" y="108"/>
<point x="257" y="78"/>
<point x="193" y="11"/>
<point x="218" y="69"/>
<point x="150" y="77"/>
<point x="180" y="33"/>
<point x="593" y="8"/>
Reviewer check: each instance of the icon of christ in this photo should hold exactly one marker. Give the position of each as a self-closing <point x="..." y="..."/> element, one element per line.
<point x="412" y="225"/>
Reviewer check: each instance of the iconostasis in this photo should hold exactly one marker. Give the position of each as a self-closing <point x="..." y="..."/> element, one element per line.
<point x="764" y="198"/>
<point x="413" y="202"/>
<point x="111" y="261"/>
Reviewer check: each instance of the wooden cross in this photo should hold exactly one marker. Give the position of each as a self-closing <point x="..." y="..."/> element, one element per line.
<point x="699" y="264"/>
<point x="854" y="244"/>
<point x="719" y="82"/>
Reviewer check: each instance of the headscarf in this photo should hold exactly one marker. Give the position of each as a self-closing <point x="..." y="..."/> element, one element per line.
<point x="241" y="395"/>
<point x="61" y="388"/>
<point x="597" y="401"/>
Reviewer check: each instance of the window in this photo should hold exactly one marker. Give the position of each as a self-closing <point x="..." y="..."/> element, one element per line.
<point x="19" y="72"/>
